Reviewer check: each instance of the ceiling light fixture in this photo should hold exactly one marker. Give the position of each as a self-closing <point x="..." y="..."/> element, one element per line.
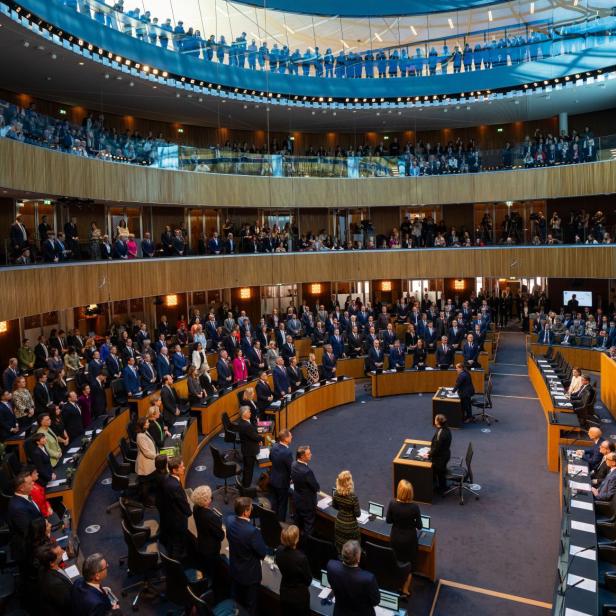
<point x="413" y="30"/>
<point x="532" y="8"/>
<point x="450" y="22"/>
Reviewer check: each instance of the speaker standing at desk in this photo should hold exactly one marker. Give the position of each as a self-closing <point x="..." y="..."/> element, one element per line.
<point x="440" y="451"/>
<point x="464" y="388"/>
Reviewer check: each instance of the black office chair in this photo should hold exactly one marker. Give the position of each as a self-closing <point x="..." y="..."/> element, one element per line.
<point x="119" y="394"/>
<point x="129" y="455"/>
<point x="485" y="403"/>
<point x="269" y="525"/>
<point x="122" y="480"/>
<point x="382" y="562"/>
<point x="231" y="434"/>
<point x="178" y="580"/>
<point x="201" y="605"/>
<point x="319" y="552"/>
<point x="224" y="470"/>
<point x="462" y="476"/>
<point x="142" y="561"/>
<point x="133" y="516"/>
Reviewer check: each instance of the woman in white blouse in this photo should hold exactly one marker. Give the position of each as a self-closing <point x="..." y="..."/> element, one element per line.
<point x="576" y="381"/>
<point x="199" y="359"/>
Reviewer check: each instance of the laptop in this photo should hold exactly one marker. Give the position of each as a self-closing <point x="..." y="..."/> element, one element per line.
<point x="389" y="601"/>
<point x="375" y="510"/>
<point x="324" y="580"/>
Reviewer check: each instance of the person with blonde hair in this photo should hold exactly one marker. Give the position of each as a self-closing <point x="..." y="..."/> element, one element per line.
<point x="346" y="502"/>
<point x="210" y="534"/>
<point x="405" y="517"/>
<point x="296" y="574"/>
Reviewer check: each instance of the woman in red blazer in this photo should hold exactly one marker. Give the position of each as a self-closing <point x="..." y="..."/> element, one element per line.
<point x="240" y="367"/>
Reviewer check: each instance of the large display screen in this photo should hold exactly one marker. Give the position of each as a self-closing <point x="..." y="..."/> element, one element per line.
<point x="584" y="298"/>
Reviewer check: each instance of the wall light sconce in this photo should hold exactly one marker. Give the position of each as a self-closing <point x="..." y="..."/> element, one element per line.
<point x="386" y="285"/>
<point x="315" y="289"/>
<point x="245" y="293"/>
<point x="171" y="300"/>
<point x="4" y="327"/>
<point x="459" y="285"/>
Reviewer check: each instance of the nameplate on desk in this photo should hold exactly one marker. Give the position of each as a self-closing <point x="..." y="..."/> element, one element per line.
<point x="324" y="503"/>
<point x="263" y="454"/>
<point x="582" y="583"/>
<point x="583" y="526"/>
<point x="55" y="483"/>
<point x="73" y="450"/>
<point x="571" y="612"/>
<point x="180" y="424"/>
<point x="580" y="487"/>
<point x="578" y="504"/>
<point x="582" y="552"/>
<point x="577" y="469"/>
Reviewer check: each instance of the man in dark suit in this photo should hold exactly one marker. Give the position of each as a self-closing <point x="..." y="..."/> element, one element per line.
<point x="305" y="490"/>
<point x="584" y="396"/>
<point x="256" y="361"/>
<point x="20" y="513"/>
<point x="396" y="355"/>
<point x="440" y="452"/>
<point x="41" y="353"/>
<point x="295" y="375"/>
<point x="163" y="363"/>
<point x="546" y="336"/>
<point x="455" y="334"/>
<point x="98" y="396"/>
<point x="130" y="376"/>
<point x="223" y="369"/>
<point x="593" y="455"/>
<point x="444" y="353"/>
<point x="281" y="458"/>
<point x="250" y="442"/>
<point x="112" y="363"/>
<point x="10" y="374"/>
<point x="265" y="395"/>
<point x="214" y="245"/>
<point x="40" y="459"/>
<point x="41" y="394"/>
<point x="174" y="521"/>
<point x="607" y="489"/>
<point x="54" y="586"/>
<point x="71" y="417"/>
<point x="172" y="406"/>
<point x="601" y="470"/>
<point x="356" y="591"/>
<point x="147" y="373"/>
<point x="329" y="362"/>
<point x="354" y="343"/>
<point x="376" y="357"/>
<point x="88" y="595"/>
<point x="429" y="335"/>
<point x="281" y="380"/>
<point x="246" y="551"/>
<point x="8" y="422"/>
<point x="464" y="388"/>
<point x="470" y="352"/>
<point x="287" y="350"/>
<point x="337" y="343"/>
<point x="95" y="366"/>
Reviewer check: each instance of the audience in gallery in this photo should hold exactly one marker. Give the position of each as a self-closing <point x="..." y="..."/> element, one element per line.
<point x="497" y="49"/>
<point x="93" y="140"/>
<point x="580" y="227"/>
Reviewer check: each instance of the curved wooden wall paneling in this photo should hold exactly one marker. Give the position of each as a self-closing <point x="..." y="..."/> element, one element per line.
<point x="37" y="289"/>
<point x="37" y="170"/>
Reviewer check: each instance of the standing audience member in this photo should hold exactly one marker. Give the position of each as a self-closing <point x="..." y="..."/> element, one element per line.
<point x="305" y="490"/>
<point x="296" y="575"/>
<point x="440" y="452"/>
<point x="281" y="458"/>
<point x="89" y="597"/>
<point x="174" y="511"/>
<point x="346" y="502"/>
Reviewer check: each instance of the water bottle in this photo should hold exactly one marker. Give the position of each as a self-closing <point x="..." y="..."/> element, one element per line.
<point x="66" y="520"/>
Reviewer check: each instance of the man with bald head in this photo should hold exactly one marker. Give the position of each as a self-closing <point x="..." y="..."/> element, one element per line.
<point x="599" y="474"/>
<point x="593" y="454"/>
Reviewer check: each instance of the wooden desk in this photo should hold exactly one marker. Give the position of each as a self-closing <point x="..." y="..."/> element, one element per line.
<point x="583" y="357"/>
<point x="415" y="470"/>
<point x="450" y="407"/>
<point x="143" y="403"/>
<point x="416" y="381"/>
<point x="378" y="531"/>
<point x="484" y="360"/>
<point x="316" y="401"/>
<point x="608" y="383"/>
<point x="303" y="346"/>
<point x="554" y="429"/>
<point x="351" y="366"/>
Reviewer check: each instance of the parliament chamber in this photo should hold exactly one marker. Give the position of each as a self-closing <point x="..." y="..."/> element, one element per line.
<point x="308" y="308"/>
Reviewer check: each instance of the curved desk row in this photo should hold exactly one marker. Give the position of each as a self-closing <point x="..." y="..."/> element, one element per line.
<point x="586" y="358"/>
<point x="419" y="381"/>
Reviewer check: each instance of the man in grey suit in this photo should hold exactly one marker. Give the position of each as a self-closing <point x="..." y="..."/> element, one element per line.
<point x="607" y="489"/>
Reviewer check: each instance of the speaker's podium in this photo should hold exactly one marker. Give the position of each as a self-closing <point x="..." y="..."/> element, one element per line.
<point x="445" y="402"/>
<point x="408" y="465"/>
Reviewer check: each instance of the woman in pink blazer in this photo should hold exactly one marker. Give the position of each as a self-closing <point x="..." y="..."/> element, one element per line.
<point x="240" y="367"/>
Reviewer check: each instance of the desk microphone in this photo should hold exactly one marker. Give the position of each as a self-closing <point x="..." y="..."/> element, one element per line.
<point x="563" y="586"/>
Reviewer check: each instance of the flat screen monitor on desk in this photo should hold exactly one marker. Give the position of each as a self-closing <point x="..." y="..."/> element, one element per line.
<point x="426" y="523"/>
<point x="324" y="580"/>
<point x="376" y="510"/>
<point x="389" y="601"/>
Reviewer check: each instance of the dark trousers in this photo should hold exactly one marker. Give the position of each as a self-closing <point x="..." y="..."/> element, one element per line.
<point x="304" y="519"/>
<point x="467" y="407"/>
<point x="280" y="501"/>
<point x="439" y="469"/>
<point x="247" y="471"/>
<point x="246" y="595"/>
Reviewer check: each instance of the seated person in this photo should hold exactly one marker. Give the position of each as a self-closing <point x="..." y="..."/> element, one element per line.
<point x="607" y="489"/>
<point x="601" y="471"/>
<point x="593" y="456"/>
<point x="585" y="394"/>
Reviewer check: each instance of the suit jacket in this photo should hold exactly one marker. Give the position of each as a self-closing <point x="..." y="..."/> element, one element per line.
<point x="95" y="368"/>
<point x="88" y="601"/>
<point x="146" y="452"/>
<point x="337" y="346"/>
<point x="305" y="486"/>
<point x="444" y="357"/>
<point x="98" y="398"/>
<point x="287" y="351"/>
<point x="281" y="458"/>
<point x="209" y="531"/>
<point x="464" y="385"/>
<point x="20" y="513"/>
<point x="375" y="357"/>
<point x="7" y="421"/>
<point x="177" y="510"/>
<point x="440" y="447"/>
<point x="130" y="376"/>
<point x="546" y="336"/>
<point x="73" y="422"/>
<point x="246" y="550"/>
<point x="356" y="590"/>
<point x="264" y="391"/>
<point x="42" y="397"/>
<point x="170" y="404"/>
<point x="281" y="381"/>
<point x="470" y="352"/>
<point x="163" y="366"/>
<point x="455" y="337"/>
<point x="146" y="372"/>
<point x="8" y="378"/>
<point x="41" y="353"/>
<point x="607" y="489"/>
<point x="600" y="472"/>
<point x="55" y="592"/>
<point x="296" y="579"/>
<point x="593" y="455"/>
<point x="41" y="460"/>
<point x="583" y="397"/>
<point x="113" y="366"/>
<point x="249" y="438"/>
<point x="295" y="376"/>
<point x="179" y="363"/>
<point x="329" y="365"/>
